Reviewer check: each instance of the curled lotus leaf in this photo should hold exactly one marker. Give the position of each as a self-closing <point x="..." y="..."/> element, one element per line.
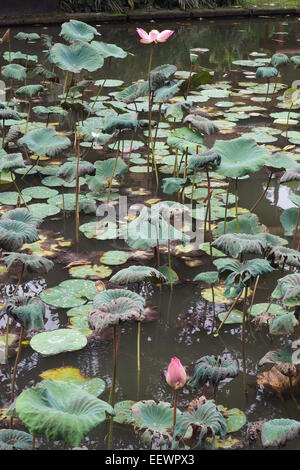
<point x="136" y="274"/>
<point x="75" y="30"/>
<point x="288" y="290"/>
<point x="210" y="160"/>
<point x="235" y="244"/>
<point x="28" y="312"/>
<point x="277" y="432"/>
<point x="113" y="313"/>
<point x="12" y="439"/>
<point x="45" y="141"/>
<point x="60" y="411"/>
<point x="154" y="419"/>
<point x="282" y="360"/>
<point x="18" y="226"/>
<point x="213" y="369"/>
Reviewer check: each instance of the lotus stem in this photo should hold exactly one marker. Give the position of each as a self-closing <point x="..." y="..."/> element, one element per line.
<point x="226" y="208"/>
<point x="213" y="302"/>
<point x="175" y="172"/>
<point x="294" y="242"/>
<point x="28" y="116"/>
<point x="113" y="172"/>
<point x="16" y="365"/>
<point x="287" y="121"/>
<point x="70" y="84"/>
<point x="236" y="205"/>
<point x="158" y="122"/>
<point x="193" y="186"/>
<point x="263" y="193"/>
<point x="130" y="151"/>
<point x="267" y="91"/>
<point x="209" y="212"/>
<point x="254" y="292"/>
<point x="215" y="393"/>
<point x="19" y="192"/>
<point x="228" y="313"/>
<point x="77" y="193"/>
<point x="65" y="83"/>
<point x="116" y="342"/>
<point x="100" y="88"/>
<point x="244" y="340"/>
<point x="189" y="82"/>
<point x="149" y="104"/>
<point x="6" y="339"/>
<point x="3" y="132"/>
<point x="20" y="279"/>
<point x="33" y="441"/>
<point x="176" y="393"/>
<point x="139" y="347"/>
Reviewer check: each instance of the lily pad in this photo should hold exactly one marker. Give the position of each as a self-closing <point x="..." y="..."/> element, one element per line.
<point x="59" y="341"/>
<point x="70" y="293"/>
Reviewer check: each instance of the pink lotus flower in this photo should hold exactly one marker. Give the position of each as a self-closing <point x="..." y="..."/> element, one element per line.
<point x="154" y="35"/>
<point x="176" y="375"/>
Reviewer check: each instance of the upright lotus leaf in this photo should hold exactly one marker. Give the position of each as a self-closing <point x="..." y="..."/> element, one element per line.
<point x="76" y="57"/>
<point x="32" y="37"/>
<point x="68" y="170"/>
<point x="248" y="223"/>
<point x="29" y="90"/>
<point x="28" y="312"/>
<point x="185" y="138"/>
<point x="105" y="167"/>
<point x="280" y="162"/>
<point x="266" y="72"/>
<point x="209" y="277"/>
<point x="113" y="294"/>
<point x="109" y="50"/>
<point x="75" y="30"/>
<point x="12" y="439"/>
<point x="173" y="185"/>
<point x="279" y="59"/>
<point x="241" y="273"/>
<point x="281" y="256"/>
<point x="32" y="263"/>
<point x="45" y="141"/>
<point x="11" y="161"/>
<point x="114" y="312"/>
<point x="282" y="360"/>
<point x="18" y="226"/>
<point x="60" y="411"/>
<point x="213" y="369"/>
<point x="288" y="290"/>
<point x="59" y="341"/>
<point x="202" y="124"/>
<point x="122" y="122"/>
<point x="70" y="293"/>
<point x="19" y="56"/>
<point x="240" y="157"/>
<point x="133" y="92"/>
<point x="166" y="92"/>
<point x="288" y="220"/>
<point x="9" y="113"/>
<point x="235" y="244"/>
<point x="204" y="421"/>
<point x="210" y="160"/>
<point x="136" y="274"/>
<point x="40" y="110"/>
<point x="14" y="72"/>
<point x="283" y="324"/>
<point x="154" y="420"/>
<point x="277" y="432"/>
<point x="295" y="60"/>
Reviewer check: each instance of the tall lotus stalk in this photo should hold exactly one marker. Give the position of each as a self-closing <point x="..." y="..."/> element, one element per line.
<point x="176" y="379"/>
<point x="263" y="193"/>
<point x="13" y="380"/>
<point x="244" y="340"/>
<point x="113" y="172"/>
<point x="77" y="190"/>
<point x="236" y="206"/>
<point x="116" y="345"/>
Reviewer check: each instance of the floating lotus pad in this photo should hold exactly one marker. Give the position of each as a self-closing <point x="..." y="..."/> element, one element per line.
<point x="71" y="293"/>
<point x="73" y="375"/>
<point x="88" y="271"/>
<point x="114" y="258"/>
<point x="59" y="341"/>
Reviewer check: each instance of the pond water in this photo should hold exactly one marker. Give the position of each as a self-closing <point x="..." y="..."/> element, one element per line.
<point x="184" y="324"/>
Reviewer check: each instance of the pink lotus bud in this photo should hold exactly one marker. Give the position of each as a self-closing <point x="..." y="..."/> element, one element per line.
<point x="176" y="375"/>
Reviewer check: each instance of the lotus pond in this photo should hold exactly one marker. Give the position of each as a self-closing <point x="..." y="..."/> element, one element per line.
<point x="205" y="122"/>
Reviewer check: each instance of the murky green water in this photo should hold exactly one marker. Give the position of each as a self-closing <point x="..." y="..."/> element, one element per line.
<point x="184" y="324"/>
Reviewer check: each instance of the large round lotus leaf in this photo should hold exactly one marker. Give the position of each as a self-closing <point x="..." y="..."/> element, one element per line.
<point x="248" y="223"/>
<point x="76" y="57"/>
<point x="45" y="142"/>
<point x="114" y="258"/>
<point x="209" y="277"/>
<point x="154" y="418"/>
<point x="60" y="411"/>
<point x="39" y="192"/>
<point x="14" y="71"/>
<point x="123" y="412"/>
<point x="11" y="198"/>
<point x="54" y="342"/>
<point x="235" y="317"/>
<point x="11" y="439"/>
<point x="43" y="210"/>
<point x="73" y="375"/>
<point x="99" y="230"/>
<point x="240" y="157"/>
<point x="75" y="30"/>
<point x="235" y="418"/>
<point x="288" y="220"/>
<point x="71" y="293"/>
<point x="67" y="201"/>
<point x="79" y="318"/>
<point x="88" y="271"/>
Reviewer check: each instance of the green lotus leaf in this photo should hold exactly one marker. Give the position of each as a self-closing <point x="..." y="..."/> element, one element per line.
<point x="28" y="312"/>
<point x="206" y="421"/>
<point x="185" y="138"/>
<point x="11" y="439"/>
<point x="169" y="274"/>
<point x="119" y="310"/>
<point x="32" y="263"/>
<point x="288" y="290"/>
<point x="202" y="124"/>
<point x="165" y="93"/>
<point x="79" y="318"/>
<point x="280" y="161"/>
<point x="11" y="161"/>
<point x="60" y="411"/>
<point x="59" y="341"/>
<point x="76" y="57"/>
<point x="50" y="110"/>
<point x="110" y="295"/>
<point x="94" y="386"/>
<point x="136" y="274"/>
<point x="235" y="244"/>
<point x="248" y="223"/>
<point x="295" y="60"/>
<point x="12" y="56"/>
<point x="32" y="37"/>
<point x="123" y="412"/>
<point x="70" y="293"/>
<point x="240" y="157"/>
<point x="39" y="192"/>
<point x="155" y="419"/>
<point x="18" y="226"/>
<point x="279" y="59"/>
<point x="14" y="72"/>
<point x="281" y="256"/>
<point x="75" y="30"/>
<point x="45" y="142"/>
<point x="266" y="72"/>
<point x="68" y="170"/>
<point x="43" y="210"/>
<point x="234" y="318"/>
<point x="277" y="432"/>
<point x="105" y="168"/>
<point x="213" y="369"/>
<point x="235" y="418"/>
<point x="114" y="258"/>
<point x="29" y="90"/>
<point x="90" y="272"/>
<point x="288" y="220"/>
<point x="274" y="310"/>
<point x="283" y="324"/>
<point x="210" y="277"/>
<point x="67" y="201"/>
<point x="12" y="198"/>
<point x="173" y="185"/>
<point x="109" y="50"/>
